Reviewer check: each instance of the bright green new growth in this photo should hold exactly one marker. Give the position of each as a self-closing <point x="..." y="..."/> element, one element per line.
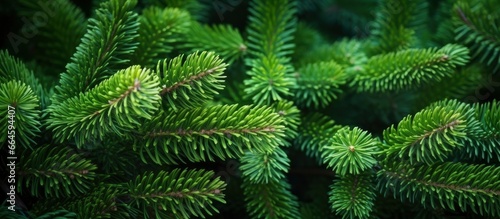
<point x="158" y="99"/>
<point x="116" y="105"/>
<point x="20" y="114"/>
<point x="350" y="151"/>
<point x="318" y="84"/>
<point x="192" y="81"/>
<point x="104" y="49"/>
<point x="409" y="68"/>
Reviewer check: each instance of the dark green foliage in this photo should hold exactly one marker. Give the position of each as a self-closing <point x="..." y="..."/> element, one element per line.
<point x="159" y="29"/>
<point x="454" y="186"/>
<point x="64" y="171"/>
<point x="215" y="131"/>
<point x="353" y="196"/>
<point x="314" y="133"/>
<point x="254" y="109"/>
<point x="477" y="27"/>
<point x="60" y="34"/>
<point x="178" y="193"/>
<point x="222" y="39"/>
<point x="274" y="200"/>
<point x="318" y="84"/>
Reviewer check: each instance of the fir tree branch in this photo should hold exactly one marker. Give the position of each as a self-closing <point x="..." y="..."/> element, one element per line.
<point x="191" y="82"/>
<point x="103" y="50"/>
<point x="19" y="115"/>
<point x="353" y="196"/>
<point x="263" y="167"/>
<point x="215" y="131"/>
<point x="183" y="193"/>
<point x="159" y="29"/>
<point x="60" y="35"/>
<point x="115" y="105"/>
<point x="447" y="185"/>
<point x="270" y="201"/>
<point x="409" y="68"/>
<point x="55" y="170"/>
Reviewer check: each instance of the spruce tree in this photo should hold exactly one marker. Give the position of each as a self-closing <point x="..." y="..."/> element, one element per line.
<point x="250" y="109"/>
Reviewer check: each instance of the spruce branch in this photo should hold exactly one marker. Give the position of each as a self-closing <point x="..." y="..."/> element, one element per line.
<point x="263" y="167"/>
<point x="476" y="25"/>
<point x="353" y="195"/>
<point x="314" y="133"/>
<point x="179" y="193"/>
<point x="103" y="50"/>
<point x="206" y="133"/>
<point x="447" y="185"/>
<point x="159" y="30"/>
<point x="269" y="81"/>
<point x="272" y="200"/>
<point x="56" y="170"/>
<point x="350" y="151"/>
<point x="12" y="68"/>
<point x="116" y="105"/>
<point x="224" y="40"/>
<point x="271" y="27"/>
<point x="410" y="68"/>
<point x="60" y="35"/>
<point x="318" y="84"/>
<point x="396" y="23"/>
<point x="20" y="115"/>
<point x="191" y="82"/>
<point x="433" y="134"/>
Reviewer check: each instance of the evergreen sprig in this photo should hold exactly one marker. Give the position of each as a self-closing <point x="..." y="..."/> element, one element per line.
<point x="263" y="167"/>
<point x="272" y="200"/>
<point x="20" y="115"/>
<point x="350" y="151"/>
<point x="206" y="133"/>
<point x="269" y="81"/>
<point x="192" y="81"/>
<point x="318" y="84"/>
<point x="55" y="171"/>
<point x="410" y="68"/>
<point x="12" y="68"/>
<point x="353" y="195"/>
<point x="103" y="50"/>
<point x="476" y="25"/>
<point x="177" y="193"/>
<point x="455" y="186"/>
<point x="224" y="40"/>
<point x="159" y="29"/>
<point x="431" y="135"/>
<point x="116" y="105"/>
